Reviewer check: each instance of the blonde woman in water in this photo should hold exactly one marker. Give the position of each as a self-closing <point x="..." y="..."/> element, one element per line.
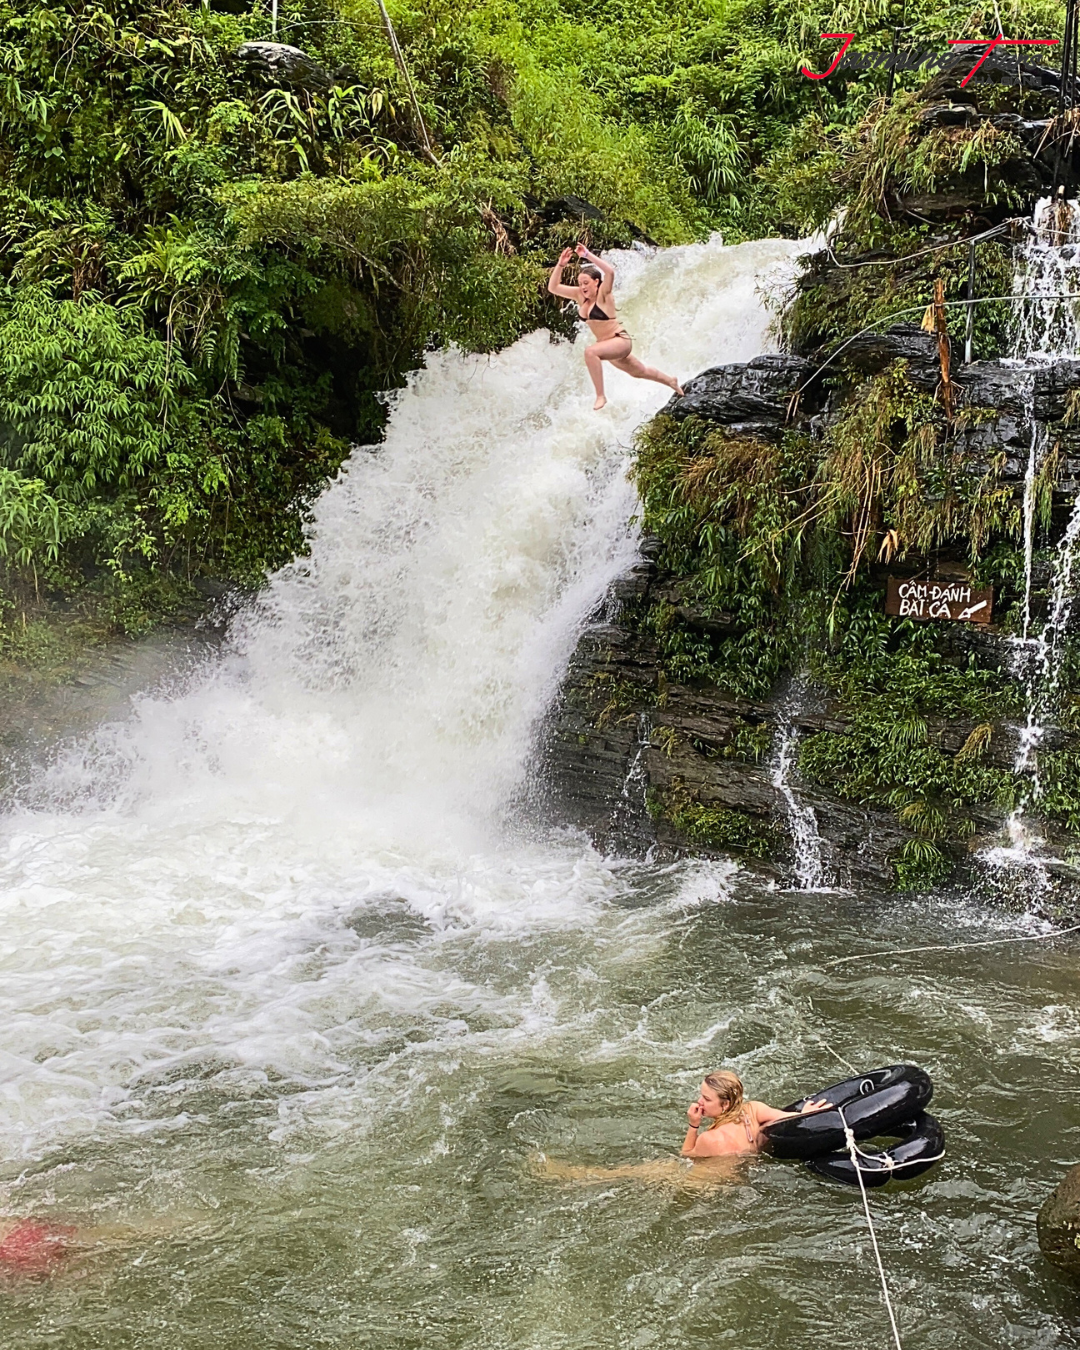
<point x="596" y="305"/>
<point x="734" y="1131"/>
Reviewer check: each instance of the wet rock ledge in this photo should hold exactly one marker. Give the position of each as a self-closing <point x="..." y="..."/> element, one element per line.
<point x="622" y="738"/>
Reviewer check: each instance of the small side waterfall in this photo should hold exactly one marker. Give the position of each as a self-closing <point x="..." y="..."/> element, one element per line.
<point x="1048" y="271"/>
<point x="631" y="805"/>
<point x="1048" y="328"/>
<point x="1036" y="455"/>
<point x="1044" y="667"/>
<point x="809" y="867"/>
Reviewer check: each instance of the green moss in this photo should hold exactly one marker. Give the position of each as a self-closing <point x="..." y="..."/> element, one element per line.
<point x="750" y="743"/>
<point x="892" y="156"/>
<point x="1059" y="787"/>
<point x="725" y="509"/>
<point x="610" y="698"/>
<point x="665" y="739"/>
<point x="777" y="547"/>
<point x="715" y="827"/>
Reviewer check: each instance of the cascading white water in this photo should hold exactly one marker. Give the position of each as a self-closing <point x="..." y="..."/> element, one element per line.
<point x="1047" y="274"/>
<point x="809" y="866"/>
<point x="1036" y="454"/>
<point x="632" y="804"/>
<point x="1047" y="328"/>
<point x="175" y="888"/>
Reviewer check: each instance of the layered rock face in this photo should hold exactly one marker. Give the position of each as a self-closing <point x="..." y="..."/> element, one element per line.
<point x="623" y="737"/>
<point x="868" y="449"/>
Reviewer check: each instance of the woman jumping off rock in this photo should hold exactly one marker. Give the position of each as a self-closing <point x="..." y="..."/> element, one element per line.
<point x="596" y="305"/>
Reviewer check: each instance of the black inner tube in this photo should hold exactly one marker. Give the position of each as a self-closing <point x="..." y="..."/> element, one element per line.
<point x="921" y="1144"/>
<point x="873" y="1104"/>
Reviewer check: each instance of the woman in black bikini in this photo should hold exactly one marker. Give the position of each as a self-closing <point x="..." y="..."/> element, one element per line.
<point x="596" y="305"/>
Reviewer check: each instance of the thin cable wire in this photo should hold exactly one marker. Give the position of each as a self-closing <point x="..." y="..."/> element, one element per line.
<point x="907" y="257"/>
<point x="921" y="309"/>
<point x="953" y="947"/>
<point x="850" y="1138"/>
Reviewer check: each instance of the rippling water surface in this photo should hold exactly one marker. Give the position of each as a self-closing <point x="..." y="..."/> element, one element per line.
<point x="290" y="999"/>
<point x="388" y="1198"/>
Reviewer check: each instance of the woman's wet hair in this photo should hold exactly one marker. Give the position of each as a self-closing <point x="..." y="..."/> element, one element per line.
<point x="728" y="1087"/>
<point x="593" y="272"/>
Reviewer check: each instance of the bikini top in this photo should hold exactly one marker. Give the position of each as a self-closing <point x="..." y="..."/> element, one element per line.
<point x="597" y="313"/>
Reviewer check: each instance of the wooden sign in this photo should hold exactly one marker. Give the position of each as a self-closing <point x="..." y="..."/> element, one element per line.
<point x="956" y="600"/>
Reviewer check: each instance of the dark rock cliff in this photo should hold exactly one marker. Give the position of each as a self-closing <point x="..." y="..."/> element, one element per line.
<point x="623" y="737"/>
<point x="782" y="493"/>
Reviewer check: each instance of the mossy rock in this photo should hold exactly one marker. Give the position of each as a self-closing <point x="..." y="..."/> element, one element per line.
<point x="1058" y="1224"/>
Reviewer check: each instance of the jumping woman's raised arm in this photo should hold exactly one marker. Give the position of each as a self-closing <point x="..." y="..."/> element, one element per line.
<point x="605" y="267"/>
<point x="596" y="305"/>
<point x="555" y="285"/>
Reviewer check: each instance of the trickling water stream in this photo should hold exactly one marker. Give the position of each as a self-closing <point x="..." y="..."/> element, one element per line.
<point x="277" y="970"/>
<point x="1047" y="328"/>
<point x="809" y="866"/>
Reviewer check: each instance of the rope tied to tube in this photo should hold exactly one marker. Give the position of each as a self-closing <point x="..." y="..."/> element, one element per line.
<point x="952" y="946"/>
<point x="853" y="1150"/>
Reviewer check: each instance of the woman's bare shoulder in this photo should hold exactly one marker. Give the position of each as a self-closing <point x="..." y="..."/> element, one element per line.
<point x="709" y="1144"/>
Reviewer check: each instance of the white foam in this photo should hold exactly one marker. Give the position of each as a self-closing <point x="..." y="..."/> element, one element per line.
<point x="175" y="889"/>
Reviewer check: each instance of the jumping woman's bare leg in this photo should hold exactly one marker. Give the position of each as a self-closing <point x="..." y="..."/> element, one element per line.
<point x="608" y="349"/>
<point x="630" y="365"/>
<point x="596" y="373"/>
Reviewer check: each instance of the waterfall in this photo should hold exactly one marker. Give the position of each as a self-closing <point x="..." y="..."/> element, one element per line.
<point x="1047" y="328"/>
<point x="809" y="868"/>
<point x="630" y="806"/>
<point x="1036" y="453"/>
<point x="178" y="888"/>
<point x="1048" y="268"/>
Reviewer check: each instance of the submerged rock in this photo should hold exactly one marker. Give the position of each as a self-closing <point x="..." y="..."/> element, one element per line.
<point x="1058" y="1224"/>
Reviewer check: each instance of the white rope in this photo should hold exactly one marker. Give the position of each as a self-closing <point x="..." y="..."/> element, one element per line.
<point x="846" y="1062"/>
<point x="889" y="1164"/>
<point x="954" y="946"/>
<point x="853" y="1150"/>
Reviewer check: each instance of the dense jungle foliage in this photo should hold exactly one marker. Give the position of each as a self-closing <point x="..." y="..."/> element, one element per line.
<point x="781" y="546"/>
<point x="209" y="275"/>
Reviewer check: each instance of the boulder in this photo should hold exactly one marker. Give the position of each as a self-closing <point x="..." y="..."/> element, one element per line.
<point x="569" y="208"/>
<point x="1000" y="68"/>
<point x="869" y="353"/>
<point x="755" y="398"/>
<point x="1058" y="1224"/>
<point x="283" y="64"/>
<point x="1053" y="386"/>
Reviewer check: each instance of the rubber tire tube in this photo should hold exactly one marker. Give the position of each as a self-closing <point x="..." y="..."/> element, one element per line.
<point x="873" y="1104"/>
<point x="922" y="1141"/>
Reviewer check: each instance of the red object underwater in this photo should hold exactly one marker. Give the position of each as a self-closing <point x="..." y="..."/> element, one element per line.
<point x="33" y="1248"/>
